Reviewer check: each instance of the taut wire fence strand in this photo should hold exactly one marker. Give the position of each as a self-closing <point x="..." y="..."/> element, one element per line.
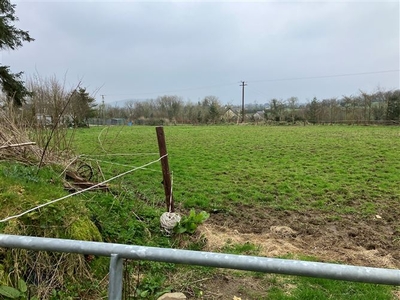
<point x="82" y="191"/>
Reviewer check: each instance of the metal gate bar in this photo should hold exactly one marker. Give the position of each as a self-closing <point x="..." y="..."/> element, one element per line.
<point x="115" y="277"/>
<point x="219" y="260"/>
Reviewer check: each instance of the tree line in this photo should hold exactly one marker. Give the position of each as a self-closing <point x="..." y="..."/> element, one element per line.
<point x="49" y="101"/>
<point x="364" y="108"/>
<point x="167" y="109"/>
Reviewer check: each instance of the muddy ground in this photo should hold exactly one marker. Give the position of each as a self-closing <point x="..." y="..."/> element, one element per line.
<point x="350" y="239"/>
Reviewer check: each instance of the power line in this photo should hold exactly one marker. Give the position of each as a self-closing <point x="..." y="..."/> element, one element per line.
<point x="174" y="91"/>
<point x="252" y="90"/>
<point x="325" y="76"/>
<point x="253" y="81"/>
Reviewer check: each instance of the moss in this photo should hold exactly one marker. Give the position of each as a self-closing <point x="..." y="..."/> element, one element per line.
<point x="84" y="229"/>
<point x="9" y="196"/>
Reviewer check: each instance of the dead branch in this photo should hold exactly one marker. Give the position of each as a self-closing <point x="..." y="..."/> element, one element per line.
<point x="17" y="145"/>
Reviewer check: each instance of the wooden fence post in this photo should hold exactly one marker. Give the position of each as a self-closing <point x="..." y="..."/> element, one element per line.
<point x="169" y="198"/>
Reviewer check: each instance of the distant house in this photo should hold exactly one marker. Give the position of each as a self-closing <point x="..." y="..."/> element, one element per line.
<point x="117" y="121"/>
<point x="230" y="116"/>
<point x="259" y="115"/>
<point x="44" y="120"/>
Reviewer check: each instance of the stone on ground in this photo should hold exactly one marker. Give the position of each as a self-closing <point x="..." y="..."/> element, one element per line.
<point x="172" y="296"/>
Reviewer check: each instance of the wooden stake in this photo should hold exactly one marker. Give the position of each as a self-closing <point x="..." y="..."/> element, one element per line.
<point x="169" y="198"/>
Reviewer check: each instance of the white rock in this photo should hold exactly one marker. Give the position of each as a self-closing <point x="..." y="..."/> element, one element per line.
<point x="172" y="296"/>
<point x="283" y="231"/>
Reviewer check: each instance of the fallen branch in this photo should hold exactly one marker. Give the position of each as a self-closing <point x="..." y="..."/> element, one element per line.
<point x="77" y="186"/>
<point x="17" y="145"/>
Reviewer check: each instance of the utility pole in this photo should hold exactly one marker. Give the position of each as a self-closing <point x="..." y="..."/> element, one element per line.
<point x="243" y="84"/>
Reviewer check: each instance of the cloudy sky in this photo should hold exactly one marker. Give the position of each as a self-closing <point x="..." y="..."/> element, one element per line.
<point x="144" y="49"/>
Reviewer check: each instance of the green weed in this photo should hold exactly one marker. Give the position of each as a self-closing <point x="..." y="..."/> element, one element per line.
<point x="245" y="249"/>
<point x="188" y="224"/>
<point x="315" y="288"/>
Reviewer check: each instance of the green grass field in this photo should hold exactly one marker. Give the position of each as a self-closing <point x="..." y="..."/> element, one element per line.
<point x="311" y="178"/>
<point x="336" y="169"/>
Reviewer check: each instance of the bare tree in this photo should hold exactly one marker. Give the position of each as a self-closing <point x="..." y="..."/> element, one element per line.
<point x="346" y="102"/>
<point x="48" y="99"/>
<point x="334" y="110"/>
<point x="292" y="104"/>
<point x="129" y="107"/>
<point x="170" y="106"/>
<point x="367" y="104"/>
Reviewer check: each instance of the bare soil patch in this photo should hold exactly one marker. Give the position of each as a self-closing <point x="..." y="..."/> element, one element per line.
<point x="350" y="239"/>
<point x="370" y="241"/>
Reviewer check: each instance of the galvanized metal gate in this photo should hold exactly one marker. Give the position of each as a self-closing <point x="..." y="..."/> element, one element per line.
<point x="117" y="252"/>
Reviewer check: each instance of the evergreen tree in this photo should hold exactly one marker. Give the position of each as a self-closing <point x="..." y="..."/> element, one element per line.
<point x="313" y="111"/>
<point x="81" y="107"/>
<point x="214" y="110"/>
<point x="11" y="38"/>
<point x="393" y="107"/>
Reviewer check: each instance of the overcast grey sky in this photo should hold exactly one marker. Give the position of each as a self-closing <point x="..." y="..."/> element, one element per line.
<point x="139" y="49"/>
